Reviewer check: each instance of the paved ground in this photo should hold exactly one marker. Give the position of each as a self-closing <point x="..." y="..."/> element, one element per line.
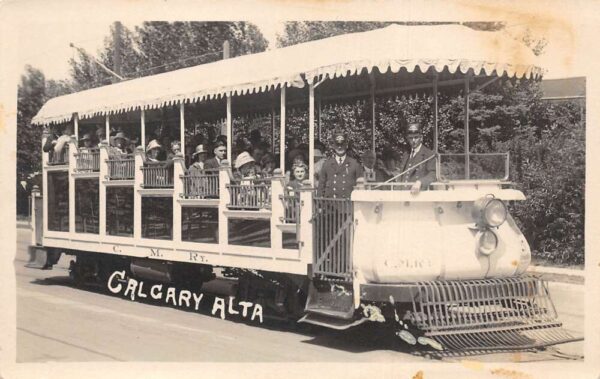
<point x="57" y="322"/>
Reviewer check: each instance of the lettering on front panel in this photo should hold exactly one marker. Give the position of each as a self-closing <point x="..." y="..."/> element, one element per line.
<point x="155" y="253"/>
<point x="409" y="263"/>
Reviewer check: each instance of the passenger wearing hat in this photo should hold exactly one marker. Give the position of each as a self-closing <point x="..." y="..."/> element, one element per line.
<point x="87" y="141"/>
<point x="319" y="160"/>
<point x="418" y="163"/>
<point x="245" y="166"/>
<point x="220" y="151"/>
<point x="340" y="172"/>
<point x="121" y="146"/>
<point x="154" y="152"/>
<point x="199" y="158"/>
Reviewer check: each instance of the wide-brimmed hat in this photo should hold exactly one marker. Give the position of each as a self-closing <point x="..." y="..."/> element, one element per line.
<point x="242" y="159"/>
<point x="153" y="145"/>
<point x="318" y="153"/>
<point x="199" y="150"/>
<point x="120" y="135"/>
<point x="86" y="137"/>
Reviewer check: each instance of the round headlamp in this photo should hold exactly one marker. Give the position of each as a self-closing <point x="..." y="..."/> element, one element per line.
<point x="490" y="212"/>
<point x="487" y="242"/>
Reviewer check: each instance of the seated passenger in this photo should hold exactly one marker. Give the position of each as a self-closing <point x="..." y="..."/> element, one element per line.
<point x="245" y="166"/>
<point x="267" y="164"/>
<point x="86" y="141"/>
<point x="154" y="152"/>
<point x="300" y="172"/>
<point x="220" y="151"/>
<point x="199" y="158"/>
<point x="297" y="159"/>
<point x="64" y="139"/>
<point x="422" y="174"/>
<point x="121" y="145"/>
<point x="51" y="137"/>
<point x="100" y="135"/>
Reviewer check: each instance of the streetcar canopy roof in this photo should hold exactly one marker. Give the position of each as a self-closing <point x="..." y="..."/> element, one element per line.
<point x="455" y="48"/>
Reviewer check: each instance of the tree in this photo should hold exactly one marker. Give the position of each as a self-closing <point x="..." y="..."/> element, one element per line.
<point x="157" y="46"/>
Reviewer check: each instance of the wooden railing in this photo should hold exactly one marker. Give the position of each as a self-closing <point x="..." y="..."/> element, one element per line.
<point x="121" y="168"/>
<point x="157" y="175"/>
<point x="249" y="194"/>
<point x="291" y="208"/>
<point x="59" y="158"/>
<point x="88" y="160"/>
<point x="201" y="185"/>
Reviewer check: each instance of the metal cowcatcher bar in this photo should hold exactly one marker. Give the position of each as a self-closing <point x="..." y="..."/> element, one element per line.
<point x="488" y="315"/>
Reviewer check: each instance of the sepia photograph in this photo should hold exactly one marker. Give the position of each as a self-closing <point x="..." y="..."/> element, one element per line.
<point x="286" y="190"/>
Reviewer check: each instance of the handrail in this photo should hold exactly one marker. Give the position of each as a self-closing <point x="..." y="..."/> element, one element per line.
<point x="407" y="170"/>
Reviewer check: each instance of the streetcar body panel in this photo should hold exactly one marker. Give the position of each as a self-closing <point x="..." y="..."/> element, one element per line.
<point x="402" y="238"/>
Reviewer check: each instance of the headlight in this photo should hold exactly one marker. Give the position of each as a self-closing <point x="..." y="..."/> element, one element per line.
<point x="487" y="242"/>
<point x="489" y="211"/>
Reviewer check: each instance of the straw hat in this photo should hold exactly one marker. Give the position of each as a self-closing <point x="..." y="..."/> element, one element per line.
<point x="153" y="145"/>
<point x="242" y="159"/>
<point x="318" y="153"/>
<point x="86" y="137"/>
<point x="199" y="150"/>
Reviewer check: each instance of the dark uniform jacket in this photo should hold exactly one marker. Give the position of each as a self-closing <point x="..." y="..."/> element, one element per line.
<point x="211" y="164"/>
<point x="425" y="172"/>
<point x="338" y="180"/>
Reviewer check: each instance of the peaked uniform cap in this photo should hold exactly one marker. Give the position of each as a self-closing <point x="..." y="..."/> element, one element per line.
<point x="414" y="128"/>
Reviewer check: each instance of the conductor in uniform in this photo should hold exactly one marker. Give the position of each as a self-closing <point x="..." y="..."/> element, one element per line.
<point x="340" y="172"/>
<point x="423" y="173"/>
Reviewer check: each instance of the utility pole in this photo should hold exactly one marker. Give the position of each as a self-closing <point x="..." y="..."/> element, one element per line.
<point x="226" y="49"/>
<point x="91" y="57"/>
<point x="117" y="51"/>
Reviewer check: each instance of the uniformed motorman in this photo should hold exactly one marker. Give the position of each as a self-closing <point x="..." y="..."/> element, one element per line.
<point x="340" y="172"/>
<point x="423" y="174"/>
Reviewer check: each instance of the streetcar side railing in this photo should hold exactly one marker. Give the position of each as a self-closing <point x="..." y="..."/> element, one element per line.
<point x="249" y="194"/>
<point x="59" y="158"/>
<point x="87" y="160"/>
<point x="201" y="184"/>
<point x="291" y="207"/>
<point x="157" y="175"/>
<point x="121" y="167"/>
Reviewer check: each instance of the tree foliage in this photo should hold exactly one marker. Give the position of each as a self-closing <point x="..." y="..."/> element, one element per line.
<point x="157" y="46"/>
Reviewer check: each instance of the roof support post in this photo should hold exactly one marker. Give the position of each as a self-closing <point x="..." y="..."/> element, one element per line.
<point x="143" y="127"/>
<point x="76" y="127"/>
<point x="282" y="130"/>
<point x="311" y="133"/>
<point x="272" y="129"/>
<point x="182" y="128"/>
<point x="107" y="126"/>
<point x="229" y="129"/>
<point x="373" y="116"/>
<point x="466" y="121"/>
<point x="319" y="116"/>
<point x="435" y="114"/>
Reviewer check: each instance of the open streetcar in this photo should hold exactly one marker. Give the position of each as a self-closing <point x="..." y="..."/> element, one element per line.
<point x="446" y="268"/>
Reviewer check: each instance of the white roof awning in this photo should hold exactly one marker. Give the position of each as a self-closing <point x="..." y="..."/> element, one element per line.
<point x="454" y="47"/>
